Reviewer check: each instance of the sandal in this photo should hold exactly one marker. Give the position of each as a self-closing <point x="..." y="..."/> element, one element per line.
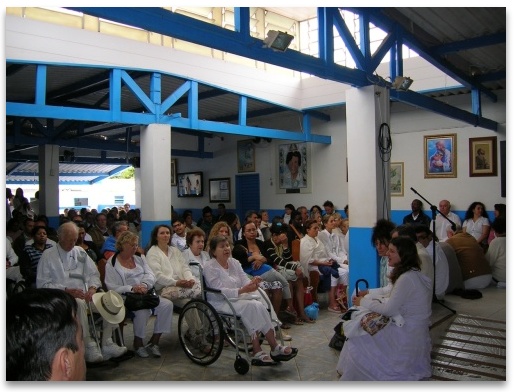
<point x="335" y="309"/>
<point x="262" y="359"/>
<point x="309" y="320"/>
<point x="280" y="353"/>
<point x="299" y="322"/>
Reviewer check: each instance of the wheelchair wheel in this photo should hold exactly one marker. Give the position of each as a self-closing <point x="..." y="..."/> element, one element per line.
<point x="230" y="336"/>
<point x="241" y="365"/>
<point x="200" y="332"/>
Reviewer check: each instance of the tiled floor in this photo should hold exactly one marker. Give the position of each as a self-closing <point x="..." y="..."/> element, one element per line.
<point x="455" y="357"/>
<point x="472" y="347"/>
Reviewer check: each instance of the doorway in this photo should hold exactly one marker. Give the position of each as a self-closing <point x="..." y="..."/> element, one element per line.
<point x="247" y="194"/>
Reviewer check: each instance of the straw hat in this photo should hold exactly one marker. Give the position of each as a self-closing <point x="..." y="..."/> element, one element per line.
<point x="110" y="305"/>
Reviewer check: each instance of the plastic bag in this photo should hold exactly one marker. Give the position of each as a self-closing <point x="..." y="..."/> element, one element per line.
<point x="312" y="311"/>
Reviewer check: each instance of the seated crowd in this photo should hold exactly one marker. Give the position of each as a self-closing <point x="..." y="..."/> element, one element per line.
<point x="305" y="250"/>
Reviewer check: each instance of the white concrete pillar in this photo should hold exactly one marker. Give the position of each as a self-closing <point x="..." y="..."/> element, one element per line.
<point x="368" y="176"/>
<point x="155" y="174"/>
<point x="138" y="196"/>
<point x="48" y="163"/>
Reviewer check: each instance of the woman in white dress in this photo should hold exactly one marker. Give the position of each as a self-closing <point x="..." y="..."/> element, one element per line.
<point x="313" y="254"/>
<point x="195" y="253"/>
<point x="224" y="273"/>
<point x="174" y="279"/>
<point x="330" y="240"/>
<point x="476" y="223"/>
<point x="400" y="351"/>
<point x="125" y="271"/>
<point x="380" y="237"/>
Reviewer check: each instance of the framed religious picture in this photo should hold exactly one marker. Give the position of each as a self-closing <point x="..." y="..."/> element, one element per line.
<point x="294" y="168"/>
<point x="246" y="158"/>
<point x="219" y="190"/>
<point x="483" y="156"/>
<point x="396" y="179"/>
<point x="440" y="156"/>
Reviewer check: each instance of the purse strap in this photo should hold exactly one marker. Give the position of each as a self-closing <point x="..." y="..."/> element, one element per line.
<point x="114" y="258"/>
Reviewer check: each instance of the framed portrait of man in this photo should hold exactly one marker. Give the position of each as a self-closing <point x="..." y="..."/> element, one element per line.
<point x="440" y="156"/>
<point x="483" y="156"/>
<point x="293" y="168"/>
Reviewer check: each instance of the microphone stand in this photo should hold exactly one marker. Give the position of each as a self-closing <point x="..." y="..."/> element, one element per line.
<point x="434" y="211"/>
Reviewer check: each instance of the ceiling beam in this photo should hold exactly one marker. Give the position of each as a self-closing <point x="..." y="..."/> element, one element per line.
<point x="182" y="27"/>
<point x="467" y="44"/>
<point x="178" y="26"/>
<point x="436" y="106"/>
<point x="387" y="24"/>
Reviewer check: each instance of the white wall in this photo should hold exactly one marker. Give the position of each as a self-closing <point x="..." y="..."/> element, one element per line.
<point x="328" y="168"/>
<point x="409" y="126"/>
<point x="328" y="162"/>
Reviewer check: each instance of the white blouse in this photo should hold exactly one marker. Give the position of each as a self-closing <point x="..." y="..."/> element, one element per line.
<point x="475" y="229"/>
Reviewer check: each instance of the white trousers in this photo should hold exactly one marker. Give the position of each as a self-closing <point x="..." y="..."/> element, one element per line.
<point x="344" y="276"/>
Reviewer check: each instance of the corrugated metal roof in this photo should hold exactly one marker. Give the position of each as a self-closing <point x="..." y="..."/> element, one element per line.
<point x="69" y="173"/>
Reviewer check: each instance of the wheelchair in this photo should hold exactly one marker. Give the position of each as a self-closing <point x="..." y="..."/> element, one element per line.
<point x="202" y="330"/>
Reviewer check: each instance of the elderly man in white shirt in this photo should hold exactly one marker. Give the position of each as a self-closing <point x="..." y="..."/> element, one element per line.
<point x="443" y="226"/>
<point x="57" y="267"/>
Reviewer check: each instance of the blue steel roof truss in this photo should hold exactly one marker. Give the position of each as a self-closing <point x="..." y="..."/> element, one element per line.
<point x="108" y="114"/>
<point x="240" y="42"/>
<point x="151" y="110"/>
<point x="112" y="85"/>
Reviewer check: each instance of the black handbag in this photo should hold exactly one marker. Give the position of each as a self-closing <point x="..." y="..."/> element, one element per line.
<point x="338" y="339"/>
<point x="135" y="301"/>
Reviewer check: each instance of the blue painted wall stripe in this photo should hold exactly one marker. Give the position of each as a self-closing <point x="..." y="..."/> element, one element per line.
<point x="147" y="227"/>
<point x="363" y="258"/>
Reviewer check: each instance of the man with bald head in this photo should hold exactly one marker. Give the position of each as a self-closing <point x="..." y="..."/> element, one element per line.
<point x="443" y="226"/>
<point x="59" y="268"/>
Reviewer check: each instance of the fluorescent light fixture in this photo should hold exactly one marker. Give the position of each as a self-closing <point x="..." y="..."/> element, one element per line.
<point x="278" y="40"/>
<point x="402" y="83"/>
